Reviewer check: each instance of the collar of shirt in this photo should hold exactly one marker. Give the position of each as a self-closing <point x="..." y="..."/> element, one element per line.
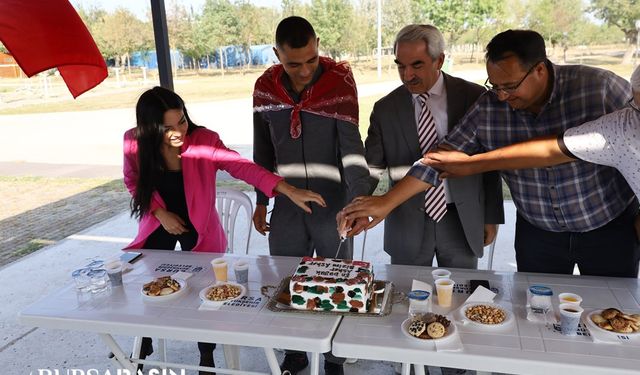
<point x="437" y="104"/>
<point x="286" y="82"/>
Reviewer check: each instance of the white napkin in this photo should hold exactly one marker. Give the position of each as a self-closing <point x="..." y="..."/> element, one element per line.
<point x="481" y="294"/>
<point x="182" y="275"/>
<point x="210" y="306"/>
<point x="548" y="317"/>
<point x="451" y="344"/>
<point x="421" y="285"/>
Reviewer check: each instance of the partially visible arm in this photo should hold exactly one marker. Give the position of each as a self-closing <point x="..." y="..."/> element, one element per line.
<point x="130" y="161"/>
<point x="378" y="207"/>
<point x="534" y="153"/>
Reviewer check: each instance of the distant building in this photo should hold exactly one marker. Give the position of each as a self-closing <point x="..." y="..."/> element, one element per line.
<point x="9" y="67"/>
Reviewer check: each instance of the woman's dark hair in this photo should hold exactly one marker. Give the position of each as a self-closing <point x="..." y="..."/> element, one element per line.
<point x="294" y="32"/>
<point x="150" y="130"/>
<point x="527" y="45"/>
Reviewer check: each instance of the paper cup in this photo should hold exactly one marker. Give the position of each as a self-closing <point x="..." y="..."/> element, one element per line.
<point x="241" y="269"/>
<point x="220" y="269"/>
<point x="570" y="298"/>
<point x="444" y="288"/>
<point x="441" y="273"/>
<point x="114" y="271"/>
<point x="569" y="318"/>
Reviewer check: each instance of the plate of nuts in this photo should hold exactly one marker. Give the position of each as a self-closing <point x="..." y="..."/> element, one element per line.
<point x="428" y="327"/>
<point x="222" y="292"/>
<point x="486" y="315"/>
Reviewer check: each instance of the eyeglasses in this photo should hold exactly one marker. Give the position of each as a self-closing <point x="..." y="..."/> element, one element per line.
<point x="508" y="90"/>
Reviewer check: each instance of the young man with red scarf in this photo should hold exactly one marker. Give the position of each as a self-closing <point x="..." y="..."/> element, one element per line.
<point x="306" y="130"/>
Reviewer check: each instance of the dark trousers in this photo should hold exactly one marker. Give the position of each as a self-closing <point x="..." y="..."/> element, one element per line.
<point x="160" y="239"/>
<point x="611" y="250"/>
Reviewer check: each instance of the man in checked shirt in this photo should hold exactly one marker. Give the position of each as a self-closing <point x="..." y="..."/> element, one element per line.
<point x="573" y="213"/>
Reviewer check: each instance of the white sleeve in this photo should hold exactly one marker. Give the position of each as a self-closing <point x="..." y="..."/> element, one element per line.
<point x="594" y="141"/>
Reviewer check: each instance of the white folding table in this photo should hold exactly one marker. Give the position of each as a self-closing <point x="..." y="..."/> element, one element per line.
<point x="246" y="322"/>
<point x="522" y="348"/>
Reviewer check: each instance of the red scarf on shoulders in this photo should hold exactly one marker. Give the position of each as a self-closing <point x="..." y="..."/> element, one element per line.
<point x="334" y="95"/>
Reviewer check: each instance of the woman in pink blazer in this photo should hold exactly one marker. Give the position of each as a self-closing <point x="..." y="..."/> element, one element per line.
<point x="170" y="167"/>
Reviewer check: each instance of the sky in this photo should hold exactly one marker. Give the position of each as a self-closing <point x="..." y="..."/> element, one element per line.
<point x="139" y="7"/>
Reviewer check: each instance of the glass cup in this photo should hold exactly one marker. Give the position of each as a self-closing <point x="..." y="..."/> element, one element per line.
<point x="444" y="288"/>
<point x="220" y="269"/>
<point x="440" y="273"/>
<point x="241" y="269"/>
<point x="99" y="280"/>
<point x="569" y="318"/>
<point x="571" y="298"/>
<point x="114" y="271"/>
<point x="82" y="280"/>
<point x="96" y="264"/>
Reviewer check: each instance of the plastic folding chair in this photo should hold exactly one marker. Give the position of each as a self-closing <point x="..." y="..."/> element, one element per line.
<point x="490" y="252"/>
<point x="229" y="202"/>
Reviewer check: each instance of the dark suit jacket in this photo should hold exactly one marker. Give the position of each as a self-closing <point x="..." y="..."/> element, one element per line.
<point x="392" y="143"/>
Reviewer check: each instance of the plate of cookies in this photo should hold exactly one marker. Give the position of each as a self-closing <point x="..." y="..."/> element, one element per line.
<point x="222" y="292"/>
<point x="163" y="288"/>
<point x="486" y="315"/>
<point x="428" y="327"/>
<point x="614" y="321"/>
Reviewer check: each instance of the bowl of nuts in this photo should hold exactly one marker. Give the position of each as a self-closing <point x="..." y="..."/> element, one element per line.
<point x="486" y="315"/>
<point x="222" y="292"/>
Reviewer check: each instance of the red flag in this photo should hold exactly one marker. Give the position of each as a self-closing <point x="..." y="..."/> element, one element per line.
<point x="45" y="34"/>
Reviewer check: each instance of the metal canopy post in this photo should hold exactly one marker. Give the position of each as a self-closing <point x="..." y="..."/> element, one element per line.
<point x="161" y="36"/>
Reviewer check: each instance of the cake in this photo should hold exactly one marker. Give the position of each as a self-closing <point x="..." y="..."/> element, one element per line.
<point x="324" y="284"/>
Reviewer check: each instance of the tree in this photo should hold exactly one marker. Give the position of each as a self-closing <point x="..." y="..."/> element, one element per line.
<point x="331" y="19"/>
<point x="395" y="15"/>
<point x="558" y="21"/>
<point x="220" y="25"/>
<point x="622" y="14"/>
<point x="454" y="17"/>
<point x="294" y="8"/>
<point x="120" y="33"/>
<point x="185" y="33"/>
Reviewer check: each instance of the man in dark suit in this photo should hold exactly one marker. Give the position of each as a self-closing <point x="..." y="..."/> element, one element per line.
<point x="474" y="203"/>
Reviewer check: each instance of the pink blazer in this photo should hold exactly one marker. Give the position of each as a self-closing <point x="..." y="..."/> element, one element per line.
<point x="203" y="154"/>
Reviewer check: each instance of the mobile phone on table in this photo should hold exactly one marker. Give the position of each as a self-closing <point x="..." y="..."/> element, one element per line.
<point x="130" y="256"/>
<point x="473" y="284"/>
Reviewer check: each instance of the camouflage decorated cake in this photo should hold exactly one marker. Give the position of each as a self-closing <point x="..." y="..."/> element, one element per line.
<point x="331" y="285"/>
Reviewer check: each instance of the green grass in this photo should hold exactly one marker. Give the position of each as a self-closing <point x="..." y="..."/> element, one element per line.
<point x="32" y="246"/>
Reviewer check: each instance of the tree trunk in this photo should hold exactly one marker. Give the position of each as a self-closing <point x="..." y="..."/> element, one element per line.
<point x="628" y="54"/>
<point x="222" y="56"/>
